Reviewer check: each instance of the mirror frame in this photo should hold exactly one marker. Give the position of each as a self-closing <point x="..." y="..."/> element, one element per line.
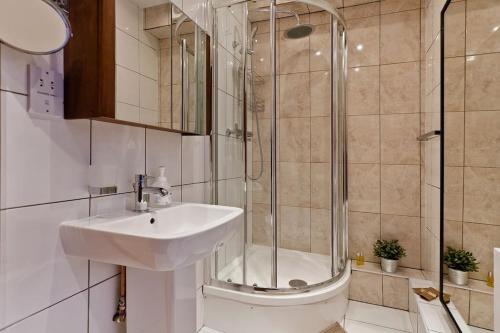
<point x="441" y="169"/>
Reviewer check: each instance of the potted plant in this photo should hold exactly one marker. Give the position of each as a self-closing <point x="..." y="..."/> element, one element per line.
<point x="389" y="251"/>
<point x="460" y="263"/>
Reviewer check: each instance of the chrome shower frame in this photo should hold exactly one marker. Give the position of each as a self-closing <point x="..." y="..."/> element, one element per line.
<point x="339" y="204"/>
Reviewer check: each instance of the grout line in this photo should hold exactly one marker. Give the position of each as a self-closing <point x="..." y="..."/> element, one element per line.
<point x="14" y="92"/>
<point x="45" y="203"/>
<point x="41" y="310"/>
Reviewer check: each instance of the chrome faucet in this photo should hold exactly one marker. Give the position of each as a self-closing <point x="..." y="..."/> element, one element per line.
<point x="141" y="188"/>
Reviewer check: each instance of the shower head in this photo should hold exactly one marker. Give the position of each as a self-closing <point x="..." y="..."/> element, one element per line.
<point x="299" y="31"/>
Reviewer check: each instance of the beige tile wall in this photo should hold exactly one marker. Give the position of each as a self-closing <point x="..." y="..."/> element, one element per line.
<point x="303" y="135"/>
<point x="383" y="106"/>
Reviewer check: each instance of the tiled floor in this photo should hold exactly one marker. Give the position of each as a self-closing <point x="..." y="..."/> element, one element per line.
<point x="368" y="318"/>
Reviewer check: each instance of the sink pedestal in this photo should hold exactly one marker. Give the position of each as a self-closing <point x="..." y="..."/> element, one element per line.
<point x="161" y="302"/>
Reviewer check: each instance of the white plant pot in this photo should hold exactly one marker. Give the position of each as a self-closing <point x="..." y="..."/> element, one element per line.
<point x="389" y="265"/>
<point x="458" y="277"/>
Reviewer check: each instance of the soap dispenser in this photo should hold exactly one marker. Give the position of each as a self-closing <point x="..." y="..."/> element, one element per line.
<point x="161" y="181"/>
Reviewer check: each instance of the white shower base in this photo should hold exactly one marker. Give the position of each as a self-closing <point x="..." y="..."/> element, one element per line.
<point x="233" y="311"/>
<point x="313" y="268"/>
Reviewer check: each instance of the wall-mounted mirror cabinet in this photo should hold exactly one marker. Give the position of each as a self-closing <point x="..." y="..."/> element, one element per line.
<point x="139" y="62"/>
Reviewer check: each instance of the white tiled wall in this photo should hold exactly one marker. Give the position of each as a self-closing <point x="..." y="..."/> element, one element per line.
<point x="46" y="167"/>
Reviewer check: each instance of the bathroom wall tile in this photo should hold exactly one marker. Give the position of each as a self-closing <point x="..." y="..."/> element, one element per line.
<point x="68" y="316"/>
<point x="320" y="141"/>
<point x="33" y="259"/>
<point x="349" y="3"/>
<point x="294" y="95"/>
<point x="149" y="62"/>
<point x="361" y="11"/>
<point x="319" y="48"/>
<point x="296" y="228"/>
<point x="294" y="55"/>
<point x="127" y="112"/>
<point x="393" y="6"/>
<point x="400" y="189"/>
<point x="363" y="134"/>
<point x="481" y="194"/>
<point x="461" y="299"/>
<point x="399" y="143"/>
<point x="363" y="90"/>
<point x="395" y="292"/>
<point x="320" y="93"/>
<point x="455" y="30"/>
<point x="453" y="193"/>
<point x="481" y="310"/>
<point x="364" y="187"/>
<point x="197" y="193"/>
<point x="321" y="231"/>
<point x="117" y="154"/>
<point x="104" y="205"/>
<point x="261" y="224"/>
<point x="454" y="138"/>
<point x="295" y="140"/>
<point x="193" y="159"/>
<point x="262" y="51"/>
<point x="364" y="39"/>
<point x="453" y="234"/>
<point x="149" y="117"/>
<point x="400" y="37"/>
<point x="127" y="17"/>
<point x="196" y="11"/>
<point x="399" y="88"/>
<point x="364" y="230"/>
<point x="149" y="94"/>
<point x="454" y="84"/>
<point x="407" y="230"/>
<point x="230" y="164"/>
<point x="480" y="239"/>
<point x="483" y="35"/>
<point x="482" y="138"/>
<point x="294" y="184"/>
<point x="482" y="82"/>
<point x="366" y="287"/>
<point x="320" y="185"/>
<point x="127" y="86"/>
<point x="103" y="301"/>
<point x="50" y="158"/>
<point x="14" y="65"/>
<point x="127" y="51"/>
<point x="261" y="188"/>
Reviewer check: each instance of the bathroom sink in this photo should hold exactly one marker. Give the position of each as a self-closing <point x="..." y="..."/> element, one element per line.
<point x="161" y="240"/>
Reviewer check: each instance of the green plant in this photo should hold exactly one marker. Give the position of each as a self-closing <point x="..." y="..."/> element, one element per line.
<point x="460" y="260"/>
<point x="389" y="249"/>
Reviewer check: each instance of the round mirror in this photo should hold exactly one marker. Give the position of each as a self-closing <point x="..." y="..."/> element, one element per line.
<point x="33" y="26"/>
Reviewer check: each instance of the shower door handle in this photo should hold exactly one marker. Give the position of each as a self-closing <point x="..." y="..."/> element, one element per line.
<point x="429" y="135"/>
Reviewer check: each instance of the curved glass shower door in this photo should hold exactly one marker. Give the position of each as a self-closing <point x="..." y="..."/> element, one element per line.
<point x="281" y="95"/>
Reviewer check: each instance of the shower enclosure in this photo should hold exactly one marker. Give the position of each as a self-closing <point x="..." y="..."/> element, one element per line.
<point x="279" y="143"/>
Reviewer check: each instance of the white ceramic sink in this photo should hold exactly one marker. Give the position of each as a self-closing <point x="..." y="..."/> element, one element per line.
<point x="161" y="240"/>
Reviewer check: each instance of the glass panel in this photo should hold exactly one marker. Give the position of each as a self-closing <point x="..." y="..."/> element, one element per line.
<point x="303" y="146"/>
<point x="229" y="136"/>
<point x="471" y="170"/>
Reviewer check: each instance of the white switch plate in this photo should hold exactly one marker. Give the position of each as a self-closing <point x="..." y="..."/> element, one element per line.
<point x="46" y="93"/>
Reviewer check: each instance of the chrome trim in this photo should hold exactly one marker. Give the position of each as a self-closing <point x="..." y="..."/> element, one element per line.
<point x="334" y="145"/>
<point x="274" y="142"/>
<point x="185" y="85"/>
<point x="429" y="135"/>
<point x="273" y="291"/>
<point x="214" y="134"/>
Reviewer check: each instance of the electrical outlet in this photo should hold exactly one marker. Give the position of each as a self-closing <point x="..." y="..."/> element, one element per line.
<point x="46" y="92"/>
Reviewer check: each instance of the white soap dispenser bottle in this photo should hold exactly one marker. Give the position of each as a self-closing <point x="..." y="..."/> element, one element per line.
<point x="161" y="181"/>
